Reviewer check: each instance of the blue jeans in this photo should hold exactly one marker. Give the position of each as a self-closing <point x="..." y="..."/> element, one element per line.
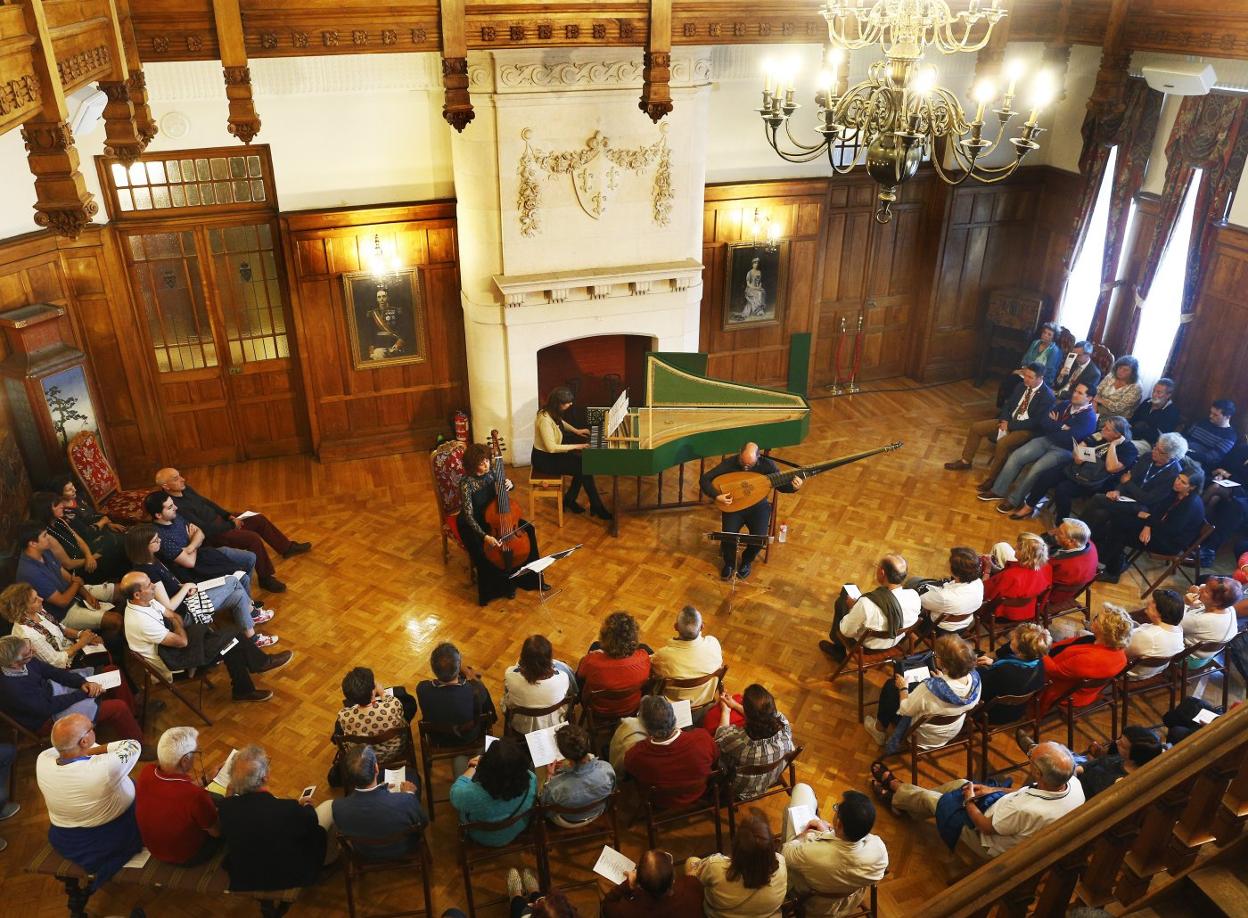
<point x="244" y="561"/>
<point x="234" y="597"/>
<point x="1041" y="453"/>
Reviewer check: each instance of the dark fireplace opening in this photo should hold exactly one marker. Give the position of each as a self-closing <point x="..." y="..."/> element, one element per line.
<point x="596" y="369"/>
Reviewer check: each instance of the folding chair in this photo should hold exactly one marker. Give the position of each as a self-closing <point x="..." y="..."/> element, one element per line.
<point x="708" y="804"/>
<point x="602" y="829"/>
<point x="864" y="658"/>
<point x="472" y="854"/>
<point x="357" y="863"/>
<point x="786" y="778"/>
<point x="666" y="683"/>
<point x="1189" y="557"/>
<point x="431" y="751"/>
<point x="1071" y="713"/>
<point x="405" y="756"/>
<point x="153" y="677"/>
<point x="1130" y="688"/>
<point x="982" y="719"/>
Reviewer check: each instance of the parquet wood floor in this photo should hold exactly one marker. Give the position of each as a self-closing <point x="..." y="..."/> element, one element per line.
<point x="374" y="592"/>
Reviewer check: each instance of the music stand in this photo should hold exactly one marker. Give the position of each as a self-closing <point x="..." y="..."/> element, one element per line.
<point x="739" y="540"/>
<point x="539" y="565"/>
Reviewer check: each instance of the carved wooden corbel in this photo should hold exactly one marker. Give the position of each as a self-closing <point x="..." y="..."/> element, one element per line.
<point x="122" y="137"/>
<point x="656" y="91"/>
<point x="62" y="202"/>
<point x="244" y="123"/>
<point x="1108" y="100"/>
<point x="456" y="105"/>
<point x="136" y="82"/>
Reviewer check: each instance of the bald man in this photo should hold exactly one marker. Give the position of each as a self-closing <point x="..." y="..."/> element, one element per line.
<point x="1008" y="818"/>
<point x="654" y="890"/>
<point x="221" y="527"/>
<point x="90" y="797"/>
<point x="757" y="519"/>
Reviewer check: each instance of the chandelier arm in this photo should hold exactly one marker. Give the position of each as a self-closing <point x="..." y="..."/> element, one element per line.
<point x="818" y="148"/>
<point x="804" y="156"/>
<point x="945" y="176"/>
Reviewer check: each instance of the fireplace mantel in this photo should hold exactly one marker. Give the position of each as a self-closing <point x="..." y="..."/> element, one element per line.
<point x="598" y="283"/>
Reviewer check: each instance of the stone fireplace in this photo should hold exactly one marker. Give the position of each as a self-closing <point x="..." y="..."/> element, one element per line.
<point x="578" y="217"/>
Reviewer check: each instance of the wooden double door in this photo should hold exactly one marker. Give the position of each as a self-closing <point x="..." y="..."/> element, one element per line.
<point x="214" y="313"/>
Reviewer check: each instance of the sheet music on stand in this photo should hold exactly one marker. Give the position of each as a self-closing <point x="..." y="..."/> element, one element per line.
<point x="616" y="415"/>
<point x="540" y="564"/>
<point x="739" y="540"/>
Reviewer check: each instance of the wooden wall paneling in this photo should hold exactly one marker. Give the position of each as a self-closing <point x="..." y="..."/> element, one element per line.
<point x="1214" y="361"/>
<point x="375" y="411"/>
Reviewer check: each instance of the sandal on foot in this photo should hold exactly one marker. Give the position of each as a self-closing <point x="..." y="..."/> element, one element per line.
<point x="882" y="793"/>
<point x="880" y="772"/>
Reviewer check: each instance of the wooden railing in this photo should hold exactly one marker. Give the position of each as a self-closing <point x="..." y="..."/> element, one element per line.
<point x="1128" y="841"/>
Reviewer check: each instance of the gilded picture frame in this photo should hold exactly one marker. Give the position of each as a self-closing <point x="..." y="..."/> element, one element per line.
<point x="385" y="319"/>
<point x="754" y="285"/>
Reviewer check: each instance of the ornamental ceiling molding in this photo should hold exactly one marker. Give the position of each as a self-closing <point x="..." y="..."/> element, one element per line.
<point x="285" y="76"/>
<point x="504" y="72"/>
<point x="595" y="172"/>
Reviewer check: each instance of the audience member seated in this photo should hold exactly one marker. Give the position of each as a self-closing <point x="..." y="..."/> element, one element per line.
<point x="1166" y="526"/>
<point x="1102" y="769"/>
<point x="752" y="882"/>
<point x="988" y="820"/>
<point x="889" y="609"/>
<point x="689" y="655"/>
<point x="90" y="797"/>
<point x="98" y="531"/>
<point x="1016" y="423"/>
<point x="497" y="786"/>
<point x="1043" y="351"/>
<point x="1226" y="506"/>
<point x="454" y="697"/>
<point x="374" y="810"/>
<point x="160" y="637"/>
<point x="70" y="600"/>
<point x="37" y="695"/>
<point x="221" y="527"/>
<point x="1210" y="615"/>
<point x="1148" y="481"/>
<point x="1158" y="415"/>
<point x="538" y="680"/>
<point x="53" y="643"/>
<point x="1027" y="576"/>
<point x="675" y="763"/>
<point x="233" y="597"/>
<point x="837" y="860"/>
<point x="1072" y="563"/>
<point x="1017" y="670"/>
<point x="271" y="842"/>
<point x="654" y="890"/>
<point x="1209" y="439"/>
<point x="1069" y="421"/>
<point x="1113" y="454"/>
<point x="1121" y="393"/>
<point x="68" y="547"/>
<point x="532" y="903"/>
<point x="955" y="597"/>
<point x="1077" y="368"/>
<point x="369" y="712"/>
<point x="8" y="808"/>
<point x="952" y="688"/>
<point x="1099" y="656"/>
<point x="182" y="545"/>
<point x="177" y="817"/>
<point x="579" y="779"/>
<point x="765" y="738"/>
<point x="615" y="662"/>
<point x="1161" y="635"/>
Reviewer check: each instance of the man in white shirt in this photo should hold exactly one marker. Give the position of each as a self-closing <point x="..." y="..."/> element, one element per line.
<point x="1160" y="636"/>
<point x="90" y="797"/>
<point x="1014" y="816"/>
<point x="689" y="655"/>
<point x="850" y="624"/>
<point x="838" y="861"/>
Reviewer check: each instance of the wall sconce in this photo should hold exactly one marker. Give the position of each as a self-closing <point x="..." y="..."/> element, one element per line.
<point x="383" y="264"/>
<point x="764" y="232"/>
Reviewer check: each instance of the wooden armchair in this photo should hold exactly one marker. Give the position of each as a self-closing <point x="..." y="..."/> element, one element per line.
<point x="432" y="751"/>
<point x="786" y="777"/>
<point x="862" y="658"/>
<point x="867" y="905"/>
<point x="100" y="482"/>
<point x="357" y="863"/>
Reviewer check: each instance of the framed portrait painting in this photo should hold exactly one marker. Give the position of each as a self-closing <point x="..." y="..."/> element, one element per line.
<point x="754" y="285"/>
<point x="385" y="319"/>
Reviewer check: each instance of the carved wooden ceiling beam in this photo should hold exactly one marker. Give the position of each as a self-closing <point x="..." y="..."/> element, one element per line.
<point x="656" y="74"/>
<point x="456" y="105"/>
<point x="122" y="135"/>
<point x="62" y="203"/>
<point x="244" y="123"/>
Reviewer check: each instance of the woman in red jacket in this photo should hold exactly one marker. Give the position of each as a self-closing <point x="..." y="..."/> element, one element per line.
<point x="1102" y="658"/>
<point x="1026" y="577"/>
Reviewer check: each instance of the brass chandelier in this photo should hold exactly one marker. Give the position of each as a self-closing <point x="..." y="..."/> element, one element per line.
<point x="893" y="118"/>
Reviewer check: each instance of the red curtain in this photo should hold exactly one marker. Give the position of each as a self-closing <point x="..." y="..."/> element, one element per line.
<point x="1209" y="134"/>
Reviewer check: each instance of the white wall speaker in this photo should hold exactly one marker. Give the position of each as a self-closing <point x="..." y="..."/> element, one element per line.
<point x="1180" y="79"/>
<point x="90" y="108"/>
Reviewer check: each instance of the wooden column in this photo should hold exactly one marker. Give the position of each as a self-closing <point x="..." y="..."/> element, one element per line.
<point x="244" y="123"/>
<point x="121" y="130"/>
<point x="136" y="83"/>
<point x="1106" y="102"/>
<point x="63" y="203"/>
<point x="656" y="92"/>
<point x="456" y="105"/>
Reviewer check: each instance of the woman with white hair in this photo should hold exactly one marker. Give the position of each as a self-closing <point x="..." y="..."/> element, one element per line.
<point x="177" y="818"/>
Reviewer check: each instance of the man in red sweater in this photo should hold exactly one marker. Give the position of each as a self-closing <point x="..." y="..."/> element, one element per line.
<point x="675" y="763"/>
<point x="177" y="817"/>
<point x="1073" y="561"/>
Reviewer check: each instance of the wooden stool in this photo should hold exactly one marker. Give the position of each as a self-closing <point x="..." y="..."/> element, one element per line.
<point x="545" y="487"/>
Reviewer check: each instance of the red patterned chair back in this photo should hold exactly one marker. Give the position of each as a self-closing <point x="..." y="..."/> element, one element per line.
<point x="447" y="465"/>
<point x="88" y="462"/>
